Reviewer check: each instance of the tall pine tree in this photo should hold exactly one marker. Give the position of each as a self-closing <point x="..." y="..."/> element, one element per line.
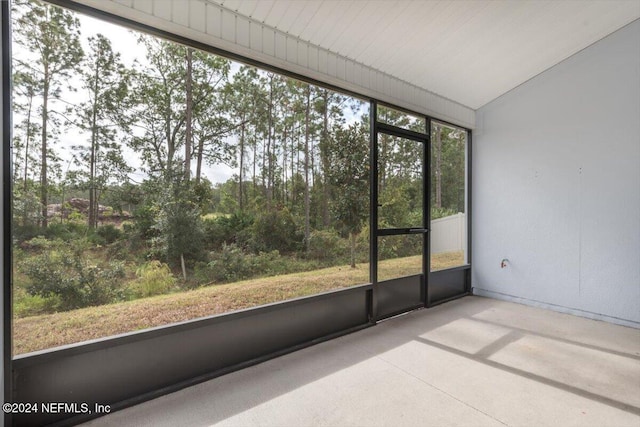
<point x="52" y="34"/>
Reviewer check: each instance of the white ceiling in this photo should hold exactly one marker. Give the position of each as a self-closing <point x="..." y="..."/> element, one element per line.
<point x="468" y="51"/>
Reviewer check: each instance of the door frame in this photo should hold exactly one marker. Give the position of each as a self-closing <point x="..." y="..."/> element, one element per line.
<point x="402" y="294"/>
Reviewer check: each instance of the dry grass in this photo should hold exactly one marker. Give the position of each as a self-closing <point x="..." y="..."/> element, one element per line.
<point x="52" y="330"/>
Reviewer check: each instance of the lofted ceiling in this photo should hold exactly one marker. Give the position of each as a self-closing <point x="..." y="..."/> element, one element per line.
<point x="470" y="52"/>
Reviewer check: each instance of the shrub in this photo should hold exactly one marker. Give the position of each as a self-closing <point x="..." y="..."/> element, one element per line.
<point x="275" y="230"/>
<point x="232" y="264"/>
<point x="221" y="230"/>
<point x="229" y="265"/>
<point x="67" y="231"/>
<point x="96" y="240"/>
<point x="33" y="305"/>
<point x="153" y="278"/>
<point x="109" y="233"/>
<point x="328" y="246"/>
<point x="58" y="230"/>
<point x="144" y="221"/>
<point x="128" y="227"/>
<point x="26" y="232"/>
<point x="180" y="233"/>
<point x="61" y="270"/>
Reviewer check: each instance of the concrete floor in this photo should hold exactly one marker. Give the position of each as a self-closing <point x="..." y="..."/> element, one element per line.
<point x="470" y="362"/>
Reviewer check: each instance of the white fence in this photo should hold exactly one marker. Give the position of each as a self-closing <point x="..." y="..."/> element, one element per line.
<point x="449" y="234"/>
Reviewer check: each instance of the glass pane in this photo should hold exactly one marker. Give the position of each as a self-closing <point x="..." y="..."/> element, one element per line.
<point x="259" y="194"/>
<point x="448" y="197"/>
<point x="399" y="256"/>
<point x="400" y="119"/>
<point x="400" y="182"/>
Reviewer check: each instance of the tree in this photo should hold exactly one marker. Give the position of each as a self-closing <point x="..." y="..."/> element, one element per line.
<point x="106" y="81"/>
<point x="437" y="164"/>
<point x="448" y="158"/>
<point x="159" y="92"/>
<point x="188" y="137"/>
<point x="307" y="132"/>
<point x="179" y="225"/>
<point x="211" y="124"/>
<point x="328" y="105"/>
<point x="165" y="106"/>
<point x="242" y="101"/>
<point x="349" y="178"/>
<point x="26" y="87"/>
<point x="53" y="35"/>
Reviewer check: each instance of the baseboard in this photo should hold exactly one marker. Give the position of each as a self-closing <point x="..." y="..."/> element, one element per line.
<point x="561" y="309"/>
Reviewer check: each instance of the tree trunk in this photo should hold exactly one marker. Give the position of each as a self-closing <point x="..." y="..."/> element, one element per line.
<point x="382" y="164"/>
<point x="26" y="150"/>
<point x="170" y="144"/>
<point x="264" y="168"/>
<point x="284" y="166"/>
<point x="352" y="238"/>
<point x="306" y="172"/>
<point x="93" y="203"/>
<point x="292" y="180"/>
<point x="184" y="269"/>
<point x="255" y="156"/>
<point x="188" y="117"/>
<point x="199" y="160"/>
<point x="43" y="167"/>
<point x="240" y="193"/>
<point x="324" y="157"/>
<point x="268" y="160"/>
<point x="437" y="146"/>
<point x="25" y="213"/>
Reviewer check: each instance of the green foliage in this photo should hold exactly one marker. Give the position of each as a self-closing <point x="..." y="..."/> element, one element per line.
<point x="232" y="264"/>
<point x="153" y="278"/>
<point x="203" y="195"/>
<point x="275" y="230"/>
<point x="145" y="219"/>
<point x="26" y="232"/>
<point x="179" y="226"/>
<point x="328" y="246"/>
<point x="62" y="270"/>
<point x="349" y="177"/>
<point x="448" y="167"/>
<point x="52" y="34"/>
<point x="437" y="213"/>
<point x="32" y="305"/>
<point x="26" y="206"/>
<point x="399" y="246"/>
<point x="109" y="233"/>
<point x="224" y="229"/>
<point x="67" y="231"/>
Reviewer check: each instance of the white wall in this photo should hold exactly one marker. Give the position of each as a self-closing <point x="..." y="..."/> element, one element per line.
<point x="556" y="186"/>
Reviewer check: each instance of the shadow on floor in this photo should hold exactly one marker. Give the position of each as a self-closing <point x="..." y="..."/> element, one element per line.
<point x="590" y="359"/>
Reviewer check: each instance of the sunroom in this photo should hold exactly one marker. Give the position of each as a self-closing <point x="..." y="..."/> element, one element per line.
<point x="321" y="212"/>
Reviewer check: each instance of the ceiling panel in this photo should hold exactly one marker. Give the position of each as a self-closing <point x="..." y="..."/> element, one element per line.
<point x="307" y="14"/>
<point x="467" y="51"/>
<point x="322" y="23"/>
<point x="261" y="10"/>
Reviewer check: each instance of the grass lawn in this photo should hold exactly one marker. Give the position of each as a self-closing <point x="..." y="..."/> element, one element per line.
<point x="52" y="330"/>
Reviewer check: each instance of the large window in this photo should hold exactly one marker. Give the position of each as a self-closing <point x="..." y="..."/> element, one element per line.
<point x="156" y="183"/>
